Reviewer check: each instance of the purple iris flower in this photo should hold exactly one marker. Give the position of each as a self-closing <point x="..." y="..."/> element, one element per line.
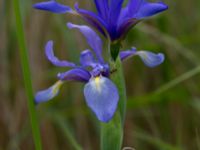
<point x="100" y="92"/>
<point x="112" y="19"/>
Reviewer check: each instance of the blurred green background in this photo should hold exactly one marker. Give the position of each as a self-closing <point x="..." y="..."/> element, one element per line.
<point x="163" y="103"/>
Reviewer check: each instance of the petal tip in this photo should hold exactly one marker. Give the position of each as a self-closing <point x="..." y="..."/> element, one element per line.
<point x="164" y="6"/>
<point x="70" y="25"/>
<point x="50" y="43"/>
<point x="52" y="6"/>
<point x="48" y="94"/>
<point x="151" y="59"/>
<point x="162" y="57"/>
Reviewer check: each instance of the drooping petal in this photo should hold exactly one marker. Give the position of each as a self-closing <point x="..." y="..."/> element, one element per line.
<point x="149" y="9"/>
<point x="54" y="60"/>
<point x="77" y="74"/>
<point x="92" y="38"/>
<point x="87" y="59"/>
<point x="53" y="6"/>
<point x="126" y="54"/>
<point x="151" y="59"/>
<point x="93" y="19"/>
<point x="102" y="8"/>
<point x="102" y="97"/>
<point x="48" y="94"/>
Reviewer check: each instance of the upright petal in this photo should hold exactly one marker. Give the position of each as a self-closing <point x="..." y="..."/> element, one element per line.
<point x="114" y="11"/>
<point x="92" y="38"/>
<point x="93" y="19"/>
<point x="125" y="26"/>
<point x="54" y="60"/>
<point x="87" y="59"/>
<point x="102" y="8"/>
<point x="49" y="93"/>
<point x="102" y="97"/>
<point x="53" y="6"/>
<point x="77" y="74"/>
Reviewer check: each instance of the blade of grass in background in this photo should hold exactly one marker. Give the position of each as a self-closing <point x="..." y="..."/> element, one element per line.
<point x="60" y="122"/>
<point x="27" y="76"/>
<point x="170" y="41"/>
<point x="178" y="80"/>
<point x="156" y="142"/>
<point x="155" y="96"/>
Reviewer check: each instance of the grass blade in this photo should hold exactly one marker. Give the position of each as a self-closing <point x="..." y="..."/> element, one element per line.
<point x="27" y="76"/>
<point x="59" y="121"/>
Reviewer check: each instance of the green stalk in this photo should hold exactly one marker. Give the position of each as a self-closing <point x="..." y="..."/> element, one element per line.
<point x="118" y="78"/>
<point x="112" y="132"/>
<point x="27" y="76"/>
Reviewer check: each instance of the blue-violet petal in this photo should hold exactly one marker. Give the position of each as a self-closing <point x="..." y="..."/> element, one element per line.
<point x="126" y="54"/>
<point x="54" y="60"/>
<point x="93" y="19"/>
<point x="87" y="59"/>
<point x="150" y="9"/>
<point x="114" y="12"/>
<point x="102" y="97"/>
<point x="102" y="8"/>
<point x="48" y="94"/>
<point x="151" y="59"/>
<point x="53" y="6"/>
<point x="92" y="38"/>
<point x="77" y="74"/>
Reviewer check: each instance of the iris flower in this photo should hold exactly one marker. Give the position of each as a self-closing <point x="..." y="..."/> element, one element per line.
<point x="112" y="19"/>
<point x="100" y="92"/>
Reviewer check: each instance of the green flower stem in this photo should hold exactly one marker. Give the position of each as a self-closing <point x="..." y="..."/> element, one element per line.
<point x="112" y="132"/>
<point x="118" y="78"/>
<point x="27" y="76"/>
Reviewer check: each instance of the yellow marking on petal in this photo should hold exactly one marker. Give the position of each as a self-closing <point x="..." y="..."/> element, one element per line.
<point x="144" y="55"/>
<point x="98" y="83"/>
<point x="96" y="80"/>
<point x="57" y="86"/>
